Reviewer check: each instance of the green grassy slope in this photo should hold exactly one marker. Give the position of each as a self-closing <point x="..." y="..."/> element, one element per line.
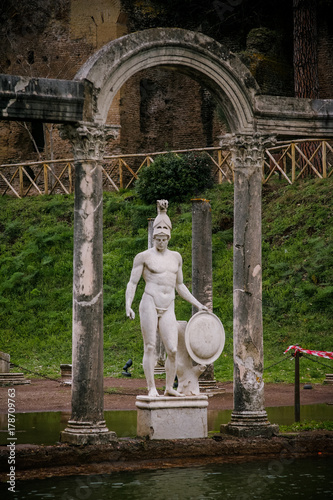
<point x="36" y="246"/>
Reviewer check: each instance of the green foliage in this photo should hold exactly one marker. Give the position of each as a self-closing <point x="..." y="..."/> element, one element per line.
<point x="311" y="425"/>
<point x="175" y="178"/>
<point x="36" y="248"/>
<point x="297" y="273"/>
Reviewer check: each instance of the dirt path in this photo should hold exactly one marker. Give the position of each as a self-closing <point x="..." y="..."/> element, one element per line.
<point x="46" y="395"/>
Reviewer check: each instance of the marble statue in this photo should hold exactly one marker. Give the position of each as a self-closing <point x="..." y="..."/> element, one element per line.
<point x="161" y="269"/>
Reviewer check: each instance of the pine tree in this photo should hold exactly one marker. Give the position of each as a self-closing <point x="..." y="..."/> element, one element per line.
<point x="306" y="80"/>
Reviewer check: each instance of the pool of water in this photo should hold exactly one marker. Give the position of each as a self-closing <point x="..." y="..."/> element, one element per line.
<point x="307" y="478"/>
<point x="45" y="427"/>
<point x="281" y="415"/>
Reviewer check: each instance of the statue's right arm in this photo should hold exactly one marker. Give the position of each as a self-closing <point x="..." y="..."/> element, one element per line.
<point x="132" y="284"/>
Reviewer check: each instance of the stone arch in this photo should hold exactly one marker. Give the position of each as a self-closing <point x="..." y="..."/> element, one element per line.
<point x="235" y="89"/>
<point x="192" y="53"/>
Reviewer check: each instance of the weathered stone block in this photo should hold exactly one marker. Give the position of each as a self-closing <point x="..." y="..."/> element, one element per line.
<point x="168" y="417"/>
<point x="4" y="362"/>
<point x="23" y="98"/>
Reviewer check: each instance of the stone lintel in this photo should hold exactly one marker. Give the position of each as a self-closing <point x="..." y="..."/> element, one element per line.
<point x="167" y="417"/>
<point x="84" y="433"/>
<point x="48" y="100"/>
<point x="293" y="116"/>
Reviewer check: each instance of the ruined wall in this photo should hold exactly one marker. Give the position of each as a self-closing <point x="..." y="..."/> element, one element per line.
<point x="52" y="40"/>
<point x="163" y="109"/>
<point x="157" y="108"/>
<point x="264" y="58"/>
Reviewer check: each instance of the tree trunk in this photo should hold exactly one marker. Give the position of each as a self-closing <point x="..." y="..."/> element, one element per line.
<point x="306" y="66"/>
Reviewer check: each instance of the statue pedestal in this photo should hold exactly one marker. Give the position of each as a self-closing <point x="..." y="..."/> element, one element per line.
<point x="167" y="417"/>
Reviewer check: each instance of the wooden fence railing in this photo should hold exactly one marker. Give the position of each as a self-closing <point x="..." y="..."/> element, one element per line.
<point x="299" y="159"/>
<point x="285" y="162"/>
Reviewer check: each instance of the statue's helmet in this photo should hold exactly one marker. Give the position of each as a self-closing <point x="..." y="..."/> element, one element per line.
<point x="162" y="224"/>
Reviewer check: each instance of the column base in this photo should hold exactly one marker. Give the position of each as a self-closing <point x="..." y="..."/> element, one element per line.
<point x="159" y="370"/>
<point x="12" y="379"/>
<point x="250" y="424"/>
<point x="83" y="433"/>
<point x="168" y="417"/>
<point x="328" y="379"/>
<point x="66" y="374"/>
<point x="207" y="385"/>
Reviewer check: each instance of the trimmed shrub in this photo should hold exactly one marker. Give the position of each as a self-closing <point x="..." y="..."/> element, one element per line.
<point x="174" y="177"/>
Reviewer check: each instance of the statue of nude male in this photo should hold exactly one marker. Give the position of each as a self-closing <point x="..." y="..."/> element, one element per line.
<point x="161" y="269"/>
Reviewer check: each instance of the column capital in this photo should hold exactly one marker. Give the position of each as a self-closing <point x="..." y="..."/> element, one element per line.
<point x="88" y="139"/>
<point x="247" y="149"/>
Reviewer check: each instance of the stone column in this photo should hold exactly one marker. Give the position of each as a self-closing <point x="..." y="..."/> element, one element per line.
<point x="87" y="424"/>
<point x="202" y="280"/>
<point x="249" y="417"/>
<point x="150" y="232"/>
<point x="202" y="267"/>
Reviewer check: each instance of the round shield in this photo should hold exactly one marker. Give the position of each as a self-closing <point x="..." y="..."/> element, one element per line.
<point x="204" y="337"/>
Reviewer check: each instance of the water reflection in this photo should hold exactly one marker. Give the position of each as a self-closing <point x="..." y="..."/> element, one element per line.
<point x="281" y="415"/>
<point x="45" y="427"/>
<point x="271" y="480"/>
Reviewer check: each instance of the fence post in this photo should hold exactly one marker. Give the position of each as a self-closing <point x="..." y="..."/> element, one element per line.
<point x="46" y="178"/>
<point x="263" y="170"/>
<point x="293" y="162"/>
<point x="121" y="185"/>
<point x="21" y="179"/>
<point x="219" y="162"/>
<point x="70" y="178"/>
<point x="297" y="393"/>
<point x="324" y="157"/>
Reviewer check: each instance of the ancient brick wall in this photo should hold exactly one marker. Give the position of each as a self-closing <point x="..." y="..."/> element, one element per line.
<point x="54" y="44"/>
<point x="160" y="110"/>
<point x="157" y="109"/>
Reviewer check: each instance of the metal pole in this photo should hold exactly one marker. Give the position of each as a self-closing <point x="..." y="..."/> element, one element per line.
<point x="297" y="393"/>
